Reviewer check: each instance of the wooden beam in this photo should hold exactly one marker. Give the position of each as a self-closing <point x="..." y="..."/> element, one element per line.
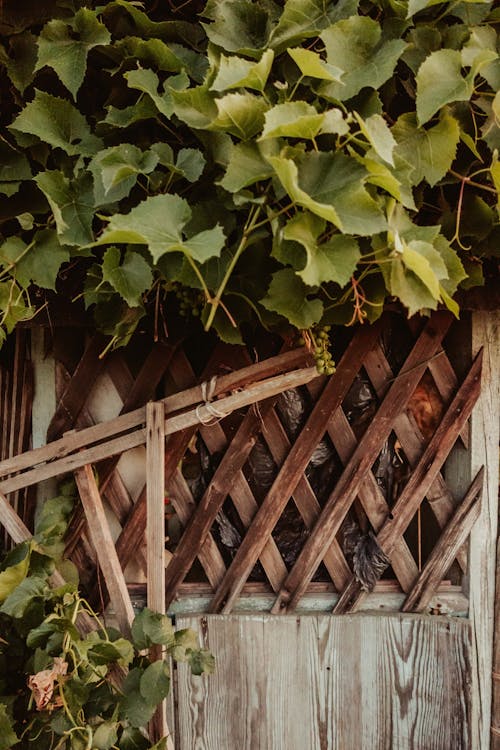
<point x="484" y="440"/>
<point x="293" y="468"/>
<point x="155" y="494"/>
<point x="368" y="448"/>
<point x="104" y="547"/>
<point x="253" y="393"/>
<point x="422" y="476"/>
<point x="443" y="554"/>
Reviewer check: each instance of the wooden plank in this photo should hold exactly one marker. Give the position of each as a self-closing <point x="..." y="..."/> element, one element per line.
<point x="142" y="389"/>
<point x="155" y="540"/>
<point x="495" y="704"/>
<point x="75" y="395"/>
<point x="293" y="468"/>
<point x="105" y="547"/>
<point x="303" y="495"/>
<point x="213" y="498"/>
<point x="423" y="475"/>
<point x="255" y="392"/>
<point x="413" y="444"/>
<point x="328" y="683"/>
<point x="216" y="441"/>
<point x="361" y="461"/>
<point x="184" y="505"/>
<point x="370" y="494"/>
<point x="484" y="440"/>
<point x="155" y="502"/>
<point x="443" y="554"/>
<point x="84" y="438"/>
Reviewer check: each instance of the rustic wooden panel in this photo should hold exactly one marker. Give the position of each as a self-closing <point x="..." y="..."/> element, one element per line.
<point x="328" y="683"/>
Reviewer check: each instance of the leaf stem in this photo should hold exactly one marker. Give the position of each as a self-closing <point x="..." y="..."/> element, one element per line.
<point x="247" y="231"/>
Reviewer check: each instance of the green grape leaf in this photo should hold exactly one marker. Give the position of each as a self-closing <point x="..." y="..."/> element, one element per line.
<point x="21" y="63"/>
<point x="430" y="151"/>
<point x="40" y="262"/>
<point x="14" y="166"/>
<point x="155" y="682"/>
<point x="56" y="122"/>
<point x="133" y="707"/>
<point x="333" y="260"/>
<point x="144" y="109"/>
<point x="105" y="735"/>
<point x="11" y="577"/>
<point x="439" y="82"/>
<point x="196" y="106"/>
<point x="236" y="72"/>
<point x="129" y="278"/>
<point x="151" y="628"/>
<point x="64" y="46"/>
<point x="8" y="737"/>
<point x="303" y="19"/>
<point x="310" y="64"/>
<point x="169" y="31"/>
<point x="147" y="81"/>
<point x="246" y="166"/>
<point x="287" y="295"/>
<point x="190" y="163"/>
<point x="158" y="223"/>
<point x="357" y="47"/>
<point x="331" y="186"/>
<point x="151" y="52"/>
<point x="201" y="661"/>
<point x="241" y="115"/>
<point x="115" y="171"/>
<point x="237" y="26"/>
<point x="72" y="203"/>
<point x="292" y="119"/>
<point x="379" y="135"/>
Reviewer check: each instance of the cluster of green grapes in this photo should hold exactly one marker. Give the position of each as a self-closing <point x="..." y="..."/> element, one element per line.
<point x="190" y="301"/>
<point x="318" y="341"/>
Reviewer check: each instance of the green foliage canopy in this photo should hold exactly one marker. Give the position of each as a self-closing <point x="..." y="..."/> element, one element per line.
<point x="294" y="162"/>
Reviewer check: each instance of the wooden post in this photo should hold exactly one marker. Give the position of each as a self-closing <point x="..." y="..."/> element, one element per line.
<point x="484" y="450"/>
<point x="155" y="539"/>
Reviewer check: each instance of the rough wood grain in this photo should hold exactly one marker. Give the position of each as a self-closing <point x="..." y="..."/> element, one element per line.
<point x="442" y="556"/>
<point x="360" y="462"/>
<point x="253" y="393"/>
<point x="422" y="476"/>
<point x="328" y="683"/>
<point x="231" y="382"/>
<point x="213" y="498"/>
<point x="412" y="441"/>
<point x="293" y="468"/>
<point x="484" y="440"/>
<point x="75" y="395"/>
<point x="155" y="524"/>
<point x="104" y="547"/>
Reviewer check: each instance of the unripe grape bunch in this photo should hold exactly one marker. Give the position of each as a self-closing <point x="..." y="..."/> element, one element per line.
<point x="317" y="340"/>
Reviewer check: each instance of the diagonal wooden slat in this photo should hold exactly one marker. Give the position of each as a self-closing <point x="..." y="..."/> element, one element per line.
<point x="209" y="555"/>
<point x="422" y="476"/>
<point x="76" y="392"/>
<point x="413" y="443"/>
<point x="105" y="547"/>
<point x="370" y="495"/>
<point x="293" y="468"/>
<point x="445" y="550"/>
<point x="305" y="499"/>
<point x="360" y="463"/>
<point x="210" y="504"/>
<point x="215" y="440"/>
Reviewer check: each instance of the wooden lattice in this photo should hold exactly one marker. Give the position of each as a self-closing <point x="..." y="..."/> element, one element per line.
<point x="231" y="419"/>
